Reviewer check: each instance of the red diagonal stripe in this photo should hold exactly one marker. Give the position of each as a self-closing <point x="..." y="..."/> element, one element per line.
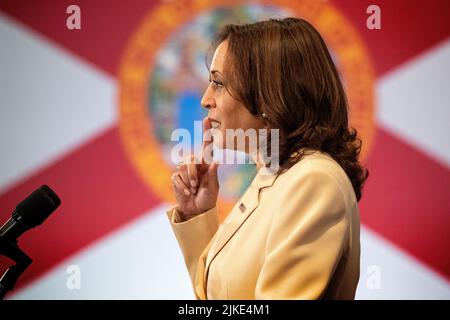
<point x="105" y="25"/>
<point x="99" y="191"/>
<point x="406" y="200"/>
<point x="407" y="28"/>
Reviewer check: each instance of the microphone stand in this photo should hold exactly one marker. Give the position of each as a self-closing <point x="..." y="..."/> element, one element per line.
<point x="11" y="250"/>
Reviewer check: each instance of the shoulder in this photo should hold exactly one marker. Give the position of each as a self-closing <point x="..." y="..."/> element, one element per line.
<point x="317" y="172"/>
<point x="314" y="194"/>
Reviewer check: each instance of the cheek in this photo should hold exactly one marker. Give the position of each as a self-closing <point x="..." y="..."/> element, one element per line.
<point x="233" y="115"/>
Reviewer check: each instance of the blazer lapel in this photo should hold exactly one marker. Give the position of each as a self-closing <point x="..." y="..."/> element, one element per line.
<point x="239" y="214"/>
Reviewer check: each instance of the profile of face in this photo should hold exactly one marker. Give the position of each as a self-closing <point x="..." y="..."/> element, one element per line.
<point x="224" y="111"/>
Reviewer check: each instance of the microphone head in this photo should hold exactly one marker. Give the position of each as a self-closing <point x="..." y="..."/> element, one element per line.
<point x="35" y="208"/>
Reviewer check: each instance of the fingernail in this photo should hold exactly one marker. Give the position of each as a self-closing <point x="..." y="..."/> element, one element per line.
<point x="193" y="190"/>
<point x="193" y="183"/>
<point x="186" y="191"/>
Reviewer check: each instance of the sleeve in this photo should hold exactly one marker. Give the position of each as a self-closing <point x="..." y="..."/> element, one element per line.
<point x="193" y="235"/>
<point x="305" y="240"/>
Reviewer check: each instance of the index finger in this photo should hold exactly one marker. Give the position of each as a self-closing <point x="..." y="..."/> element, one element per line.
<point x="192" y="171"/>
<point x="207" y="154"/>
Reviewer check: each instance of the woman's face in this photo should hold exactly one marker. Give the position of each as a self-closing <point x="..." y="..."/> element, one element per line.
<point x="225" y="112"/>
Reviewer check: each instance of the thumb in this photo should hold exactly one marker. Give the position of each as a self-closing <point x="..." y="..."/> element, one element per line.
<point x="213" y="179"/>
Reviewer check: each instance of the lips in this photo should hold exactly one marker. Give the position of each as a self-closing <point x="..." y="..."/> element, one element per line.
<point x="214" y="123"/>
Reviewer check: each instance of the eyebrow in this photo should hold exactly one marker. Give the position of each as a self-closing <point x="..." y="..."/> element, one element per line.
<point x="215" y="71"/>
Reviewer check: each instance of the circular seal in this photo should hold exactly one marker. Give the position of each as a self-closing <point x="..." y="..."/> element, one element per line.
<point x="162" y="77"/>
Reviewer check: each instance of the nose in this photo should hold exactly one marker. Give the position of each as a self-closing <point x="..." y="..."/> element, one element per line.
<point x="208" y="101"/>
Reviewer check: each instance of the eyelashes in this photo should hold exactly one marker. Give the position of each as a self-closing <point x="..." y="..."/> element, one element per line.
<point x="216" y="84"/>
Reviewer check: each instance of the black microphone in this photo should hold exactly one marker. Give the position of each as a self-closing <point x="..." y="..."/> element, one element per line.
<point x="31" y="212"/>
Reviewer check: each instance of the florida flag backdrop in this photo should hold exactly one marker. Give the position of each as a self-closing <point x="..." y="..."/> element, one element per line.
<point x="90" y="111"/>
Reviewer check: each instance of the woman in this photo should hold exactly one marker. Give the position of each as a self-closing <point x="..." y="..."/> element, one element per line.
<point x="294" y="234"/>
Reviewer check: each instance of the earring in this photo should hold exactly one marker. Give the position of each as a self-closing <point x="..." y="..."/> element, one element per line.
<point x="264" y="115"/>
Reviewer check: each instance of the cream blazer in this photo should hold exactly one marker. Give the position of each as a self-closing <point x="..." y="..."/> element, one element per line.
<point x="290" y="236"/>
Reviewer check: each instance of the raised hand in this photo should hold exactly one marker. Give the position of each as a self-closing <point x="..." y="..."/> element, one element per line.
<point x="196" y="185"/>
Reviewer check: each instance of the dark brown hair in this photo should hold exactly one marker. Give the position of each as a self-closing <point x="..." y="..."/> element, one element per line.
<point x="282" y="68"/>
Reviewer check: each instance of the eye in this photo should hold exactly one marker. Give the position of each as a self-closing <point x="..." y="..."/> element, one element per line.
<point x="216" y="84"/>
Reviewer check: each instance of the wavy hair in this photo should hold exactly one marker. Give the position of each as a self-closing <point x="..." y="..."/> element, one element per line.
<point x="282" y="68"/>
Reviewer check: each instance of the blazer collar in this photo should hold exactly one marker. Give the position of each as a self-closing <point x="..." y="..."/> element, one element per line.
<point x="237" y="216"/>
<point x="264" y="178"/>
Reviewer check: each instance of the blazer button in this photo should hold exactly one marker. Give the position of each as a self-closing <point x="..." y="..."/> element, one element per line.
<point x="242" y="207"/>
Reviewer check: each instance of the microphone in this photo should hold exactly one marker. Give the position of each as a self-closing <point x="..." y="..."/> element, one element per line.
<point x="30" y="213"/>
